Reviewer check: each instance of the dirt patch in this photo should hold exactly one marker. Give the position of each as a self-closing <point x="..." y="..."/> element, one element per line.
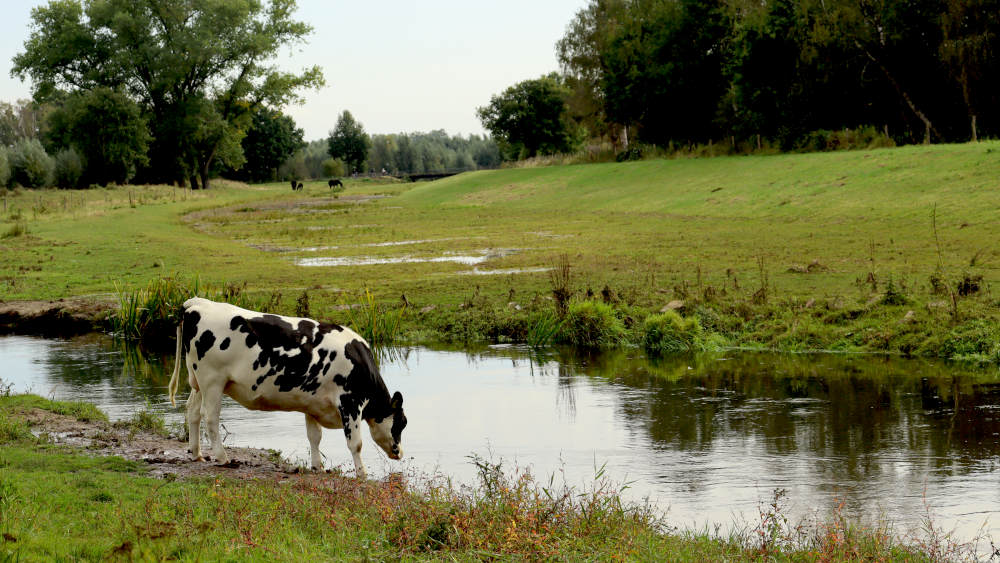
<point x="63" y="317"/>
<point x="163" y="455"/>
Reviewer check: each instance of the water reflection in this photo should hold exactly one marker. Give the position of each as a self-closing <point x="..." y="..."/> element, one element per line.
<point x="707" y="437"/>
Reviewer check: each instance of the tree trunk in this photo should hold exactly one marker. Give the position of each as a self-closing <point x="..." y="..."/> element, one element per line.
<point x="194" y="182"/>
<point x="928" y="126"/>
<point x="975" y="136"/>
<point x="203" y="172"/>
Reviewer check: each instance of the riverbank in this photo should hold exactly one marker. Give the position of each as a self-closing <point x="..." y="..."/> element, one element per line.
<point x="70" y="500"/>
<point x="887" y="251"/>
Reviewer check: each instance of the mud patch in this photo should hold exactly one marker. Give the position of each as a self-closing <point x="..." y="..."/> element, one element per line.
<point x="163" y="455"/>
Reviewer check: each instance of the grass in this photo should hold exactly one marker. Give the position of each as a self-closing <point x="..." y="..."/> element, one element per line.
<point x="793" y="252"/>
<point x="57" y="503"/>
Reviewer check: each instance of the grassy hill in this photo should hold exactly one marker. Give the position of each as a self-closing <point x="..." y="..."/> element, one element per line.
<point x="828" y="250"/>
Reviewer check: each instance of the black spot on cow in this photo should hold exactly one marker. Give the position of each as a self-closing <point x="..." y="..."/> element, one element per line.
<point x="225" y="344"/>
<point x="191" y="319"/>
<point x="286" y="348"/>
<point x="364" y="381"/>
<point x="204" y="343"/>
<point x="194" y="367"/>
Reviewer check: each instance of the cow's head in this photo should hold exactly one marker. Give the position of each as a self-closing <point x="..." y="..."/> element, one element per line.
<point x="388" y="430"/>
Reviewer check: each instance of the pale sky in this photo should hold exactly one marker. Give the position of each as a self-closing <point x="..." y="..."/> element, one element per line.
<point x="398" y="66"/>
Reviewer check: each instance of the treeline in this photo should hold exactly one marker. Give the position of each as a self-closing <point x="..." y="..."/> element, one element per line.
<point x="788" y="72"/>
<point x="396" y="154"/>
<point x="149" y="91"/>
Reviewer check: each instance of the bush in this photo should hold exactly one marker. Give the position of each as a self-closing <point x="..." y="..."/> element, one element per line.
<point x="68" y="168"/>
<point x="334" y="167"/>
<point x="866" y="137"/>
<point x="4" y="167"/>
<point x="670" y="332"/>
<point x="30" y="165"/>
<point x="592" y="324"/>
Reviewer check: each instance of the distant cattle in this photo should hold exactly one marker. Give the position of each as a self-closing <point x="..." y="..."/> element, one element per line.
<point x="298" y="187"/>
<point x="335" y="182"/>
<point x="294" y="184"/>
<point x="277" y="363"/>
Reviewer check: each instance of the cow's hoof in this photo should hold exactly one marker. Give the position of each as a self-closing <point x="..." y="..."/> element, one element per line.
<point x="199" y="458"/>
<point x="231" y="464"/>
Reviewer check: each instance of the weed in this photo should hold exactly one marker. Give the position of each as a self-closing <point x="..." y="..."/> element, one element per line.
<point x="18" y="229"/>
<point x="894" y="295"/>
<point x="144" y="420"/>
<point x="592" y="324"/>
<point x="302" y="304"/>
<point x="669" y="332"/>
<point x="377" y="326"/>
<point x="543" y="330"/>
<point x="559" y="279"/>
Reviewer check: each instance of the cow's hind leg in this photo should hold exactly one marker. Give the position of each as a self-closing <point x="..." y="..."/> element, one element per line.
<point x="211" y="404"/>
<point x="193" y="417"/>
<point x="315" y="432"/>
<point x="352" y="431"/>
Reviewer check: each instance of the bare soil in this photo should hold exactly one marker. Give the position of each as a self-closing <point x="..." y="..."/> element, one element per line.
<point x="62" y="317"/>
<point x="163" y="455"/>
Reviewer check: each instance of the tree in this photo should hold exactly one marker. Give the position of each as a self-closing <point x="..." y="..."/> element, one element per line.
<point x="349" y="142"/>
<point x="531" y="118"/>
<point x="107" y="129"/>
<point x="30" y="165"/>
<point x="271" y="140"/>
<point x="971" y="31"/>
<point x="198" y="68"/>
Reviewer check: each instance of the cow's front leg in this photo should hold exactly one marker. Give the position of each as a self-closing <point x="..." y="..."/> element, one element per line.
<point x="352" y="431"/>
<point x="315" y="432"/>
<point x="211" y="404"/>
<point x="193" y="417"/>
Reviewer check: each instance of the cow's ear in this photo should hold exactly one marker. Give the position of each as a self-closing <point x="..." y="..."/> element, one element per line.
<point x="397" y="401"/>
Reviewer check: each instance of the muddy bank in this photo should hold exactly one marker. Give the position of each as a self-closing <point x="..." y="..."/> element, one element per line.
<point x="62" y="317"/>
<point x="163" y="455"/>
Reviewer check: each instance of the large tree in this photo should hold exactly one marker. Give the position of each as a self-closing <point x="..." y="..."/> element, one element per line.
<point x="349" y="142"/>
<point x="199" y="68"/>
<point x="106" y="128"/>
<point x="271" y="140"/>
<point x="531" y="118"/>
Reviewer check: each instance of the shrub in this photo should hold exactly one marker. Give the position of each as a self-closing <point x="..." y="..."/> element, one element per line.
<point x="334" y="167"/>
<point x="30" y="165"/>
<point x="866" y="137"/>
<point x="592" y="324"/>
<point x="68" y="168"/>
<point x="670" y="332"/>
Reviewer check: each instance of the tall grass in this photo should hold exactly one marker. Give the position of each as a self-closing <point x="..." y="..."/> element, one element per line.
<point x="377" y="325"/>
<point x="154" y="310"/>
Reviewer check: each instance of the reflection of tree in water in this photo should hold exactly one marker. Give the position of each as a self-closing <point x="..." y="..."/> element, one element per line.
<point x="98" y="359"/>
<point x="844" y="408"/>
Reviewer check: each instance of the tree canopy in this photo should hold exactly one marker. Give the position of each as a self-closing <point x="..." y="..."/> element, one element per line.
<point x="689" y="71"/>
<point x="197" y="68"/>
<point x="349" y="142"/>
<point x="531" y="118"/>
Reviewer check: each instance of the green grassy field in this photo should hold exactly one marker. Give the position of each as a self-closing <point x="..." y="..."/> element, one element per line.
<point x="793" y="252"/>
<point x="62" y="504"/>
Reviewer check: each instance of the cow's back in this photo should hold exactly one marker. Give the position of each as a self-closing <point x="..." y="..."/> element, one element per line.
<point x="265" y="361"/>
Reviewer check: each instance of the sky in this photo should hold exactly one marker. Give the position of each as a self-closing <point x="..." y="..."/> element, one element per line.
<point x="396" y="65"/>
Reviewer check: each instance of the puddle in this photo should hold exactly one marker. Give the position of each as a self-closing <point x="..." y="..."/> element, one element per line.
<point x="508" y="271"/>
<point x="469" y="260"/>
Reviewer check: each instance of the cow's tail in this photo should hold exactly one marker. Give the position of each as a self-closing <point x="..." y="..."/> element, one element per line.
<point x="175" y="378"/>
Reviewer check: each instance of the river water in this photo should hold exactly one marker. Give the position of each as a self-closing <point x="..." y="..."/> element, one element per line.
<point x="707" y="439"/>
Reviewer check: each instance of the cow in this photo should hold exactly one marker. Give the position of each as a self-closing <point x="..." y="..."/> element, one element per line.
<point x="294" y="184"/>
<point x="278" y="363"/>
<point x="335" y="182"/>
<point x="298" y="187"/>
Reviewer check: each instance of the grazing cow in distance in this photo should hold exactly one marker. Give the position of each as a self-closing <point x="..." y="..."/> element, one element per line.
<point x="293" y="185"/>
<point x="277" y="363"/>
<point x="299" y="187"/>
<point x="335" y="182"/>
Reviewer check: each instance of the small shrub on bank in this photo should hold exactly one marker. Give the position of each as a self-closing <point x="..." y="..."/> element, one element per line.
<point x="669" y="332"/>
<point x="592" y="324"/>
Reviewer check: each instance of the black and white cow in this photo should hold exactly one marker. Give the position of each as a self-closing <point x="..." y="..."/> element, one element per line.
<point x="272" y="362"/>
<point x="335" y="182"/>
